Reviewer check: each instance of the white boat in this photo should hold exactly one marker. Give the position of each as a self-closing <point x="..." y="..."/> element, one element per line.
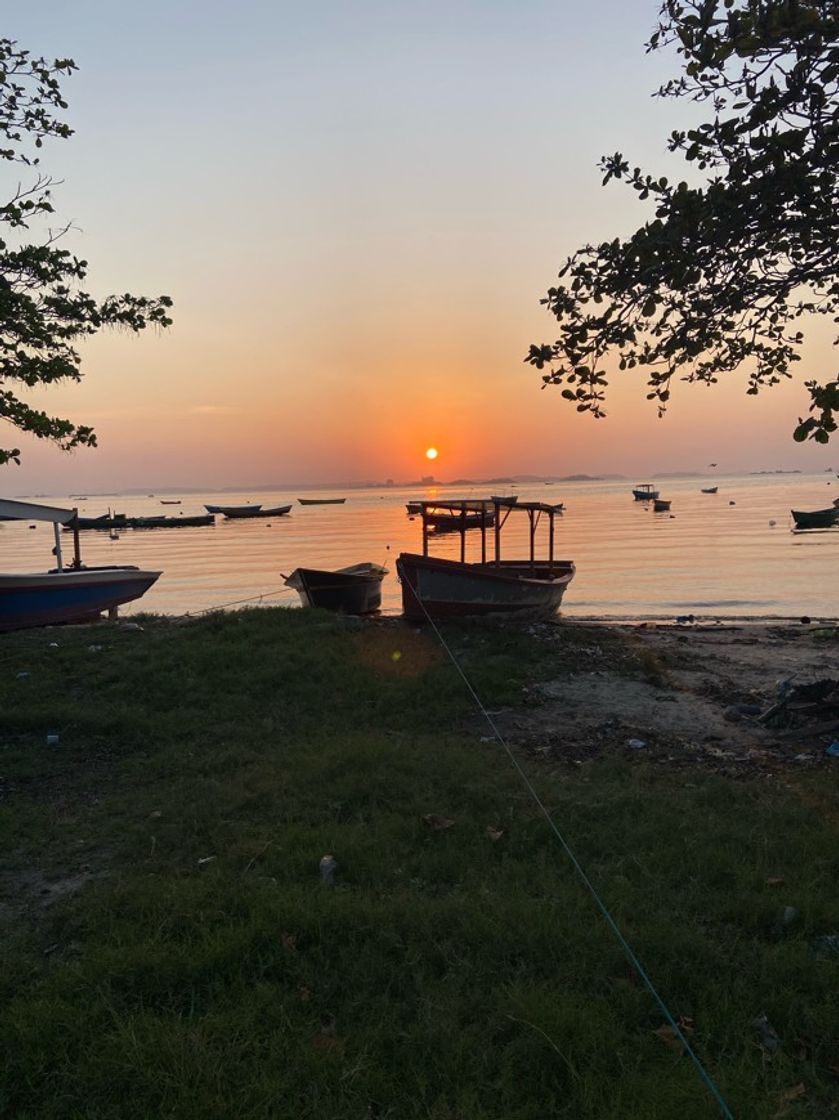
<point x="70" y="593"/>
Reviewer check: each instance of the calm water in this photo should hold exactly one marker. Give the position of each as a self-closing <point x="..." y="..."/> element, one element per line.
<point x="709" y="558"/>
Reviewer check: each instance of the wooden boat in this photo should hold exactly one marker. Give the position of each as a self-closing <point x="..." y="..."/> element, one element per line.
<point x="170" y="501"/>
<point x="505" y="500"/>
<point x="353" y="590"/>
<point x="321" y="501"/>
<point x="255" y="511"/>
<point x="710" y="489"/>
<point x="70" y="593"/>
<point x="453" y="523"/>
<point x="121" y="521"/>
<point x="435" y="588"/>
<point x="181" y="522"/>
<point x="226" y="509"/>
<point x="661" y="505"/>
<point x="413" y="509"/>
<point x="645" y="492"/>
<point x="104" y="521"/>
<point x="816" y="519"/>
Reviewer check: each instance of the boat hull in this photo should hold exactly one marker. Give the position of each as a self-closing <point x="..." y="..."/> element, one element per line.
<point x="356" y="590"/>
<point x="816" y="518"/>
<point x="228" y="509"/>
<point x="645" y="495"/>
<point x="255" y="511"/>
<point x="49" y="598"/>
<point x="321" y="501"/>
<point x="446" y="588"/>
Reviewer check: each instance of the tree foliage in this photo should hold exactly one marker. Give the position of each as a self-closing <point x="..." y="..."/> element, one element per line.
<point x="725" y="274"/>
<point x="43" y="310"/>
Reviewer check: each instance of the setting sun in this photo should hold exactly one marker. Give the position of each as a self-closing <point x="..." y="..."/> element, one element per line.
<point x="431" y="453"/>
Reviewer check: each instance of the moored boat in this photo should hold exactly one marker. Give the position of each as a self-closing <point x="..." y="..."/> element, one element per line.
<point x="645" y="492"/>
<point x="505" y="500"/>
<point x="321" y="501"/>
<point x="170" y="501"/>
<point x="72" y="593"/>
<point x="226" y="509"/>
<point x="244" y="512"/>
<point x="433" y="587"/>
<point x="709" y="489"/>
<point x="353" y="590"/>
<point x="816" y="518"/>
<point x="661" y="505"/>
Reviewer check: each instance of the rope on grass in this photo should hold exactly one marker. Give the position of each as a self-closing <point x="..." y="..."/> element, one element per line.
<point x="587" y="883"/>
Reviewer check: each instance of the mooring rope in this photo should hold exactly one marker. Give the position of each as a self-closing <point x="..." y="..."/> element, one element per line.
<point x="587" y="883"/>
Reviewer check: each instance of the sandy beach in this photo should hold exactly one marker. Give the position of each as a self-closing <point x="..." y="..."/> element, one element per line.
<point x="698" y="700"/>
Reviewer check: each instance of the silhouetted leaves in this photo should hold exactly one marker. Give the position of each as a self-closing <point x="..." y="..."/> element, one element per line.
<point x="43" y="312"/>
<point x="719" y="278"/>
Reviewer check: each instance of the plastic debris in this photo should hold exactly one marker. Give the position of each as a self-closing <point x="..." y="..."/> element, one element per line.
<point x="437" y="823"/>
<point x="53" y="645"/>
<point x="52" y="738"/>
<point x="328" y="866"/>
<point x="769" y="1040"/>
<point x="636" y="744"/>
<point x="789" y="915"/>
<point x="494" y="833"/>
<point x="207" y="859"/>
<point x="22" y="675"/>
<point x="93" y="649"/>
<point x="833" y="749"/>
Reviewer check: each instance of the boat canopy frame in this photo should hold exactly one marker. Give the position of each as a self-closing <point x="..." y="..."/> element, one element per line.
<point x="29" y="511"/>
<point x="494" y="514"/>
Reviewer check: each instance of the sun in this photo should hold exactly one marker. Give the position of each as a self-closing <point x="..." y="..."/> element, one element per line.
<point x="432" y="453"/>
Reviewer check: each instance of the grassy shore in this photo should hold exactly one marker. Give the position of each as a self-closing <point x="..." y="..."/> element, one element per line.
<point x="169" y="949"/>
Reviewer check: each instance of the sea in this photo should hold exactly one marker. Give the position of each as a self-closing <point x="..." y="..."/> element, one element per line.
<point x="723" y="555"/>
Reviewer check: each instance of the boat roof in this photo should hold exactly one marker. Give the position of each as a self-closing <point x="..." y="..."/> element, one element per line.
<point x="485" y="504"/>
<point x="28" y="511"/>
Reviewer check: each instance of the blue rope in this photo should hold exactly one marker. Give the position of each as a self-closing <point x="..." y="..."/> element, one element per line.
<point x="601" y="905"/>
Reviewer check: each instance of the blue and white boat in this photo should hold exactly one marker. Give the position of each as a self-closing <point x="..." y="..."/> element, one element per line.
<point x="71" y="593"/>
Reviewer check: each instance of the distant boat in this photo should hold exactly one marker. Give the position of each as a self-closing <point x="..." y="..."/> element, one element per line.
<point x="816" y="519"/>
<point x="226" y="509"/>
<point x="710" y="489"/>
<point x="661" y="505"/>
<point x="245" y="512"/>
<point x="645" y="492"/>
<point x="433" y="587"/>
<point x="353" y="590"/>
<point x="170" y="502"/>
<point x="452" y="522"/>
<point x="505" y="500"/>
<point x="158" y="521"/>
<point x="413" y="508"/>
<point x="65" y="594"/>
<point x="321" y="501"/>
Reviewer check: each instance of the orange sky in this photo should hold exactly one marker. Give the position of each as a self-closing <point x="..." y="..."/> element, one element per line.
<point x="356" y="218"/>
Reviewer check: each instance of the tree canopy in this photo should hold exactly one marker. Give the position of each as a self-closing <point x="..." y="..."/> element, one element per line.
<point x="726" y="274"/>
<point x="43" y="310"/>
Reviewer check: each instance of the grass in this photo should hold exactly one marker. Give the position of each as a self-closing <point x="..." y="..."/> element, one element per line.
<point x="169" y="948"/>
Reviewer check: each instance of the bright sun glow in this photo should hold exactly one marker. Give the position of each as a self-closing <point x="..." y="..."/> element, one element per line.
<point x="432" y="453"/>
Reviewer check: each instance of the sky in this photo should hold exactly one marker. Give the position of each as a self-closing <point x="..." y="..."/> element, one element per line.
<point x="356" y="208"/>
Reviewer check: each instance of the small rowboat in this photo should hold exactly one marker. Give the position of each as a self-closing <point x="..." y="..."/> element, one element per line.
<point x="244" y="512"/>
<point x="226" y="509"/>
<point x="709" y="489"/>
<point x="661" y="505"/>
<point x="816" y="518"/>
<point x="353" y="590"/>
<point x="321" y="501"/>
